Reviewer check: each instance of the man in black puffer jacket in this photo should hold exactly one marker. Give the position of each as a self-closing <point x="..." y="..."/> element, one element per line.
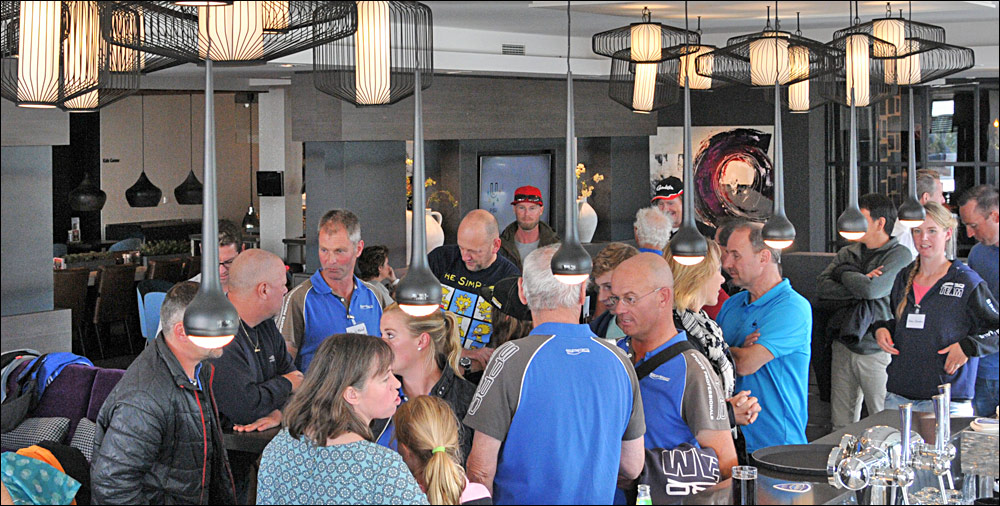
<point x="158" y="433"/>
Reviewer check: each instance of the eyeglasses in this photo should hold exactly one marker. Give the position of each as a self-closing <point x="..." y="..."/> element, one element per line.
<point x="227" y="264"/>
<point x="629" y="300"/>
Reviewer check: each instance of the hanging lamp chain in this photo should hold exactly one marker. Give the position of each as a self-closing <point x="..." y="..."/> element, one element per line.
<point x="647" y="15"/>
<point x="767" y="27"/>
<point x="777" y="22"/>
<point x="698" y="31"/>
<point x="888" y="10"/>
<point x="857" y="13"/>
<point x="142" y="128"/>
<point x="798" y="24"/>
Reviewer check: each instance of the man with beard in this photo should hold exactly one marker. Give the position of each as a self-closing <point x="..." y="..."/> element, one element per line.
<point x="528" y="232"/>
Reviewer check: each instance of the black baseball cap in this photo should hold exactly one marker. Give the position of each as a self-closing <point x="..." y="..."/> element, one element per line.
<point x="668" y="189"/>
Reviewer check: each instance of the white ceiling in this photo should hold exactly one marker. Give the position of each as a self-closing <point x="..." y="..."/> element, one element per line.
<point x="468" y="35"/>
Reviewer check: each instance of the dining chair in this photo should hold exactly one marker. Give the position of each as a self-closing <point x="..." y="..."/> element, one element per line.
<point x="171" y="270"/>
<point x="69" y="291"/>
<point x="115" y="289"/>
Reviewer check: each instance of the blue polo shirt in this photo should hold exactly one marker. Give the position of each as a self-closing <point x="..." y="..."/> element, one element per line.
<point x="985" y="260"/>
<point x="784" y="319"/>
<point x="561" y="401"/>
<point x="312" y="313"/>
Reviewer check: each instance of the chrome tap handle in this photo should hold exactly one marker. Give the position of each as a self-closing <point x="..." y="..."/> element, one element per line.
<point x="905" y="426"/>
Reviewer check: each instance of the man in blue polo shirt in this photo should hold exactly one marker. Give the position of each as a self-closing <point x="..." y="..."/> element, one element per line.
<point x="768" y="328"/>
<point x="333" y="300"/>
<point x="981" y="215"/>
<point x="683" y="397"/>
<point x="558" y="414"/>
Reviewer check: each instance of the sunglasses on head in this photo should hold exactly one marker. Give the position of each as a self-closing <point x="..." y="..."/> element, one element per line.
<point x="521" y="197"/>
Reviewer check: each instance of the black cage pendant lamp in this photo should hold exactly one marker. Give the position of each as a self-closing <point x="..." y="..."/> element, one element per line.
<point x="571" y="264"/>
<point x="210" y="320"/>
<point x="189" y="192"/>
<point x="419" y="292"/>
<point x="143" y="193"/>
<point x="375" y="66"/>
<point x="688" y="246"/>
<point x="251" y="222"/>
<point x="861" y="67"/>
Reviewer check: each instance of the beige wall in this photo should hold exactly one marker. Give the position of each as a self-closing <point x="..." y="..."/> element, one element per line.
<point x="168" y="154"/>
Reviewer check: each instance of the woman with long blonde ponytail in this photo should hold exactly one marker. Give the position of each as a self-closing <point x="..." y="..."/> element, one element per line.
<point x="427" y="432"/>
<point x="426" y="350"/>
<point x="945" y="318"/>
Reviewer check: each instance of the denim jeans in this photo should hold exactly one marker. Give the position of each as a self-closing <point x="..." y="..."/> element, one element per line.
<point x="987" y="397"/>
<point x="958" y="408"/>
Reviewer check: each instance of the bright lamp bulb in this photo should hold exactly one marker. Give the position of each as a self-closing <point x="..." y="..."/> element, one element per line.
<point x="777" y="244"/>
<point x="910" y="223"/>
<point x="688" y="260"/>
<point x="572" y="279"/>
<point x="210" y="343"/>
<point x="851" y="236"/>
<point x="419" y="310"/>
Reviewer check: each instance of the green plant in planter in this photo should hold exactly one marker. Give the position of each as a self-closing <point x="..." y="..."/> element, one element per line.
<point x="91" y="256"/>
<point x="157" y="248"/>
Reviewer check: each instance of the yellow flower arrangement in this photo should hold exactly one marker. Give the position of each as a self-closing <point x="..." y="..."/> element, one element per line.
<point x="437" y="197"/>
<point x="586" y="189"/>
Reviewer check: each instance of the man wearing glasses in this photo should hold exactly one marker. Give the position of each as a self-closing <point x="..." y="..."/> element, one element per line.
<point x="528" y="232"/>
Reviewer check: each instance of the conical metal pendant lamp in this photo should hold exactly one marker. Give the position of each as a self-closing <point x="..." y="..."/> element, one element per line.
<point x="143" y="193"/>
<point x="571" y="264"/>
<point x="852" y="224"/>
<point x="189" y="193"/>
<point x="87" y="196"/>
<point x="778" y="232"/>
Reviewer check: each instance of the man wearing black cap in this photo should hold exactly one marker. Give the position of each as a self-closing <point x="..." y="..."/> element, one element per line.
<point x="669" y="199"/>
<point x="528" y="232"/>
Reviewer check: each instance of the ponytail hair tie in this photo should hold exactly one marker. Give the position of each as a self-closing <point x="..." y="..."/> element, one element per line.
<point x="437" y="450"/>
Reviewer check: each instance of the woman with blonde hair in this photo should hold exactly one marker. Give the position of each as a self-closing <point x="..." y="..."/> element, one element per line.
<point x="945" y="317"/>
<point x="696" y="287"/>
<point x="427" y="432"/>
<point x="427" y="351"/>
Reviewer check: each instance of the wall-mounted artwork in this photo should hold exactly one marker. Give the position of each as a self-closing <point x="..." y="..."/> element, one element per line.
<point x="732" y="169"/>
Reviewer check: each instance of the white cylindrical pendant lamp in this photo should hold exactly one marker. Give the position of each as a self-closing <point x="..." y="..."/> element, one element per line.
<point x="645" y="87"/>
<point x="38" y="54"/>
<point x="687" y="69"/>
<point x="857" y="69"/>
<point x="233" y="32"/>
<point x="769" y="60"/>
<point x="892" y="31"/>
<point x="646" y="42"/>
<point x="81" y="50"/>
<point x="798" y="93"/>
<point x="373" y="54"/>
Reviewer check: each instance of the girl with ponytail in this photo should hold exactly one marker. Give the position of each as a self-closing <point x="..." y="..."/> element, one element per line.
<point x="427" y="433"/>
<point x="945" y="318"/>
<point x="426" y="351"/>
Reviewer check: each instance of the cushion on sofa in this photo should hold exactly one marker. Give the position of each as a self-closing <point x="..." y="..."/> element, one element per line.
<point x="34" y="430"/>
<point x="68" y="395"/>
<point x="83" y="439"/>
<point x="104" y="382"/>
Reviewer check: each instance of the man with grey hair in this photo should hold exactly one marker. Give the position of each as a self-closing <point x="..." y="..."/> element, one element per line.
<point x="929" y="189"/>
<point x="159" y="439"/>
<point x="652" y="230"/>
<point x="553" y="400"/>
<point x="333" y="300"/>
<point x="768" y="328"/>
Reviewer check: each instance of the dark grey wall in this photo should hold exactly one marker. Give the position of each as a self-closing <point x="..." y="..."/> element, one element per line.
<point x="26" y="215"/>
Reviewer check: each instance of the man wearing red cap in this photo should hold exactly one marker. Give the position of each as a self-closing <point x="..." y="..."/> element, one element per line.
<point x="528" y="232"/>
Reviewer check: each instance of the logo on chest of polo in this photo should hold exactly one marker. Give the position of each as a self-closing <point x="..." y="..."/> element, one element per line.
<point x="658" y="377"/>
<point x="952" y="289"/>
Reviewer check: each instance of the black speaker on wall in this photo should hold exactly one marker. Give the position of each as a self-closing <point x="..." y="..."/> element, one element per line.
<point x="270" y="184"/>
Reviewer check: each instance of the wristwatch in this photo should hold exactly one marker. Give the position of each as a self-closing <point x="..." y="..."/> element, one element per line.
<point x="466" y="364"/>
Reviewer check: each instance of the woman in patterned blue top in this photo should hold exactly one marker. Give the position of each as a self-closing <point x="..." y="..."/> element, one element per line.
<point x="327" y="454"/>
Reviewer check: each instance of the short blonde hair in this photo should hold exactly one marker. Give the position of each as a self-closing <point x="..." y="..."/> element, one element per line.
<point x="688" y="279"/>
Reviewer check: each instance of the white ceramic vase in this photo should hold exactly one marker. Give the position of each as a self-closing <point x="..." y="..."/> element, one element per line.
<point x="586" y="222"/>
<point x="432" y="224"/>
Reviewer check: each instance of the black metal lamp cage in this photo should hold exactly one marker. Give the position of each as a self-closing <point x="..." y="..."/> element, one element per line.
<point x="238" y="34"/>
<point x="626" y="84"/>
<point x="859" y="64"/>
<point x="376" y="65"/>
<point x="618" y="43"/>
<point x="762" y="58"/>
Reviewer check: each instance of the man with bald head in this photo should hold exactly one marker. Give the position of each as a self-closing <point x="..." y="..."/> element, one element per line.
<point x="683" y="395"/>
<point x="463" y="269"/>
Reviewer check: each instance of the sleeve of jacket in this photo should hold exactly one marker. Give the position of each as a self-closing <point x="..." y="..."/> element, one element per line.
<point x="241" y="399"/>
<point x="982" y="309"/>
<point x="875" y="288"/>
<point x="897" y="294"/>
<point x="126" y="453"/>
<point x="826" y="286"/>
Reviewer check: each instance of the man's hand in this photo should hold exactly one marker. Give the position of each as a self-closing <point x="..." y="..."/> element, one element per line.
<point x="956" y="358"/>
<point x="273" y="419"/>
<point x="751" y="339"/>
<point x="876" y="272"/>
<point x="480" y="357"/>
<point x="295" y="377"/>
<point x="745" y="407"/>
<point x="884" y="340"/>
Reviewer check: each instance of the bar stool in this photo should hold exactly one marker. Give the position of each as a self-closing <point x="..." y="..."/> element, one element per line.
<point x="115" y="292"/>
<point x="69" y="291"/>
<point x="171" y="270"/>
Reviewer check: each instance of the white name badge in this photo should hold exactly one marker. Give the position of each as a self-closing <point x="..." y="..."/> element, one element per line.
<point x="361" y="329"/>
<point x="915" y="321"/>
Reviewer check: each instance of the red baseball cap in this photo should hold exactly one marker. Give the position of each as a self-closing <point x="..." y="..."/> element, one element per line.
<point x="528" y="194"/>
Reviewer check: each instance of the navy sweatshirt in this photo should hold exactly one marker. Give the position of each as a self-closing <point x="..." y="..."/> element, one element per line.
<point x="959" y="308"/>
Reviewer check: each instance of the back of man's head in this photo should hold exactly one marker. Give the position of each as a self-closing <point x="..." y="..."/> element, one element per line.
<point x="879" y="206"/>
<point x="610" y="257"/>
<point x="177" y="300"/>
<point x="985" y="197"/>
<point x="541" y="288"/>
<point x="370" y="262"/>
<point x="252" y="267"/>
<point x="652" y="228"/>
<point x="927" y="181"/>
<point x="229" y="234"/>
<point x="336" y="219"/>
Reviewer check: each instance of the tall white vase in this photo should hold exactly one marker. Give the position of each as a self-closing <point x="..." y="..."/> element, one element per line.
<point x="432" y="225"/>
<point x="586" y="222"/>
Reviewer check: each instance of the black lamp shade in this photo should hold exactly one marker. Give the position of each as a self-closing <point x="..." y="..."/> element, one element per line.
<point x="88" y="196"/>
<point x="911" y="213"/>
<point x="688" y="243"/>
<point x="210" y="317"/>
<point x="143" y="193"/>
<point x="571" y="260"/>
<point x="852" y="224"/>
<point x="189" y="192"/>
<point x="778" y="232"/>
<point x="419" y="288"/>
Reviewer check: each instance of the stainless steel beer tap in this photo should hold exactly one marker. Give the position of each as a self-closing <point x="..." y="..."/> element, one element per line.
<point x="937" y="458"/>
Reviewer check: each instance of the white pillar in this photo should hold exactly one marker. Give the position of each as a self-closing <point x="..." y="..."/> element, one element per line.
<point x="280" y="217"/>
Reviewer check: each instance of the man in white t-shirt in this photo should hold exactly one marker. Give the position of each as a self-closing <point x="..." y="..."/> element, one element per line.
<point x="929" y="189"/>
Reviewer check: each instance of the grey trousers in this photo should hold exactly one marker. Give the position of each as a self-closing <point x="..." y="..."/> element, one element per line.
<point x="855" y="378"/>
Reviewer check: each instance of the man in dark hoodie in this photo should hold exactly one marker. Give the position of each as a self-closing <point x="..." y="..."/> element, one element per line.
<point x="854" y="290"/>
<point x="528" y="232"/>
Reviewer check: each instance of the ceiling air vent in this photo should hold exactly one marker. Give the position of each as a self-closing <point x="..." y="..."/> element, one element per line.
<point x="513" y="49"/>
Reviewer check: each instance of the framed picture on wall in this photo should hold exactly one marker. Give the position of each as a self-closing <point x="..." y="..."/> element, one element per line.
<point x="502" y="173"/>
